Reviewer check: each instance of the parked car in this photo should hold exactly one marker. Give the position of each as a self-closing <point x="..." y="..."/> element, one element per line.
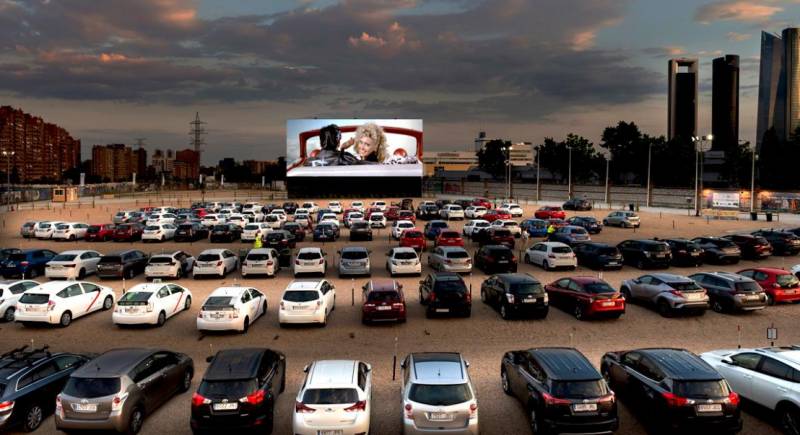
<point x="431" y="405"/>
<point x="296" y="230"/>
<point x="406" y="215"/>
<point x="625" y="219"/>
<point x="685" y="252"/>
<point x="752" y="247"/>
<point x="577" y="204"/>
<point x="130" y="232"/>
<point x="597" y="255"/>
<point x="493" y="215"/>
<point x="718" y="250"/>
<point x="159" y="232"/>
<point x="377" y="220"/>
<point x="28" y="229"/>
<point x="780" y="285"/>
<point x="668" y="293"/>
<point x="175" y="265"/>
<point x="551" y="255"/>
<point x="512" y="226"/>
<point x="585" y="297"/>
<point x="570" y="235"/>
<point x="451" y="212"/>
<point x="191" y="232"/>
<point x="70" y="231"/>
<point x="100" y="232"/>
<point x="474" y="211"/>
<point x="515" y="295"/>
<point x="354" y="260"/>
<point x="352" y="216"/>
<point x="6" y="252"/>
<point x="44" y="230"/>
<point x="494" y="236"/>
<point x="413" y="239"/>
<point x="392" y="213"/>
<point x="562" y="391"/>
<point x="360" y="231"/>
<point x="399" y="226"/>
<point x="231" y="309"/>
<point x="31" y="380"/>
<point x="645" y="253"/>
<point x="10" y="292"/>
<point x="482" y="202"/>
<point x="450" y="259"/>
<point x="307" y="302"/>
<point x="72" y="264"/>
<point x="326" y="232"/>
<point x="534" y="227"/>
<point x="254" y="231"/>
<point x="731" y="292"/>
<point x="445" y="293"/>
<point x="428" y="212"/>
<point x="496" y="259"/>
<point x="783" y="243"/>
<point x="589" y="223"/>
<point x="27" y="263"/>
<point x="512" y="208"/>
<point x="403" y="260"/>
<point x="59" y="302"/>
<point x="225" y="233"/>
<point x="550" y="212"/>
<point x="289" y="207"/>
<point x="448" y="238"/>
<point x="433" y="228"/>
<point x="673" y="390"/>
<point x="215" y="262"/>
<point x="122" y="264"/>
<point x="474" y="226"/>
<point x="383" y="300"/>
<point x="310" y="260"/>
<point x="151" y="304"/>
<point x="116" y="390"/>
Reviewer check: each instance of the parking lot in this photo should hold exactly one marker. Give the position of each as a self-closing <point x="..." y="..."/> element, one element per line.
<point x="482" y="338"/>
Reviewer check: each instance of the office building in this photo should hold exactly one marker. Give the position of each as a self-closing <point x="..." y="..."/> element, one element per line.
<point x="186" y="165"/>
<point x="779" y="84"/>
<point x="725" y="103"/>
<point x="113" y="162"/>
<point x="465" y="160"/>
<point x="682" y="100"/>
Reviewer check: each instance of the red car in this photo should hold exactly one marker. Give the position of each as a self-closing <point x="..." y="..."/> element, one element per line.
<point x="493" y="215"/>
<point x="200" y="212"/>
<point x="413" y="239"/>
<point x="482" y="202"/>
<point x="371" y="210"/>
<point x="586" y="296"/>
<point x="550" y="213"/>
<point x="383" y="300"/>
<point x="449" y="238"/>
<point x="406" y="215"/>
<point x="100" y="232"/>
<point x="392" y="213"/>
<point x="128" y="232"/>
<point x="779" y="285"/>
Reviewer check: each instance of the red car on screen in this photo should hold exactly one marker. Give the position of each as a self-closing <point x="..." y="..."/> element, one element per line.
<point x="482" y="202"/>
<point x="406" y="215"/>
<point x="392" y="213"/>
<point x="493" y="215"/>
<point x="128" y="232"/>
<point x="585" y="297"/>
<point x="100" y="232"/>
<point x="779" y="285"/>
<point x="550" y="213"/>
<point x="383" y="300"/>
<point x="449" y="238"/>
<point x="413" y="239"/>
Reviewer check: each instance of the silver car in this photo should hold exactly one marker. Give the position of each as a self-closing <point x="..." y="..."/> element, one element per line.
<point x="354" y="260"/>
<point x="669" y="293"/>
<point x="438" y="395"/>
<point x="450" y="259"/>
<point x="627" y="219"/>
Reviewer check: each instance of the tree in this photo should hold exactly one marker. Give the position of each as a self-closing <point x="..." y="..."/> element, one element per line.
<point x="585" y="160"/>
<point x="492" y="157"/>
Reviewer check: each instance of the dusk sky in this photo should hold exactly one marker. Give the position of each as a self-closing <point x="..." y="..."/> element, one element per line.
<point x="113" y="70"/>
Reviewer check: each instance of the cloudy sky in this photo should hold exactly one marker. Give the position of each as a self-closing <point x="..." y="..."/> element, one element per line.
<point x="114" y="70"/>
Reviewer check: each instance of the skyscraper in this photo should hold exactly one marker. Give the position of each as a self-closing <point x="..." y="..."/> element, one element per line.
<point x="682" y="110"/>
<point x="725" y="103"/>
<point x="779" y="84"/>
<point x="791" y="58"/>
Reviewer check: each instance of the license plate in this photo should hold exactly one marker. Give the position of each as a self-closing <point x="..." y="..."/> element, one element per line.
<point x="225" y="406"/>
<point x="131" y="309"/>
<point x="299" y="307"/>
<point x="584" y="407"/>
<point x="609" y="304"/>
<point x="753" y="297"/>
<point x="613" y="263"/>
<point x="216" y="315"/>
<point x="695" y="254"/>
<point x="440" y="416"/>
<point x="529" y="301"/>
<point x="502" y="262"/>
<point x="56" y="266"/>
<point x="714" y="407"/>
<point x="34" y="308"/>
<point x="85" y="407"/>
<point x="443" y="310"/>
<point x="384" y="308"/>
<point x="330" y="432"/>
<point x="693" y="296"/>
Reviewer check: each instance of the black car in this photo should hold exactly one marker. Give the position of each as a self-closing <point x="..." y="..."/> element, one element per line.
<point x="225" y="233"/>
<point x="561" y="391"/>
<point x="30" y="380"/>
<point x="590" y="224"/>
<point x="122" y="264"/>
<point x="674" y="390"/>
<point x="577" y="204"/>
<point x="445" y="293"/>
<point x="783" y="242"/>
<point x="326" y="232"/>
<point x="360" y="231"/>
<point x="191" y="232"/>
<point x="752" y="247"/>
<point x="296" y="230"/>
<point x="515" y="294"/>
<point x="718" y="250"/>
<point x="440" y="203"/>
<point x="290" y="207"/>
<point x="645" y="253"/>
<point x="685" y="252"/>
<point x="495" y="259"/>
<point x="598" y="255"/>
<point x="6" y="252"/>
<point x="407" y="204"/>
<point x="239" y="391"/>
<point x="279" y="239"/>
<point x="428" y="212"/>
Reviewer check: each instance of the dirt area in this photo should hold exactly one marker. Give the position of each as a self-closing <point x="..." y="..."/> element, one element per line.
<point x="483" y="338"/>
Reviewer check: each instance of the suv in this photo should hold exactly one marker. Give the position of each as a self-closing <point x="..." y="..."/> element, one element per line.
<point x="495" y="258"/>
<point x="577" y="204"/>
<point x="445" y="292"/>
<point x="515" y="294"/>
<point x="238" y="391"/>
<point x="383" y="300"/>
<point x="494" y="236"/>
<point x="667" y="292"/>
<point x="588" y="222"/>
<point x="99" y="232"/>
<point x="685" y="252"/>
<point x="570" y="235"/>
<point x="341" y="391"/>
<point x="561" y="391"/>
<point x="437" y="394"/>
<point x="624" y="219"/>
<point x="360" y="230"/>
<point x="752" y="247"/>
<point x="675" y="390"/>
<point x="28" y="263"/>
<point x="191" y="232"/>
<point x="354" y="260"/>
<point x="718" y="250"/>
<point x="122" y="264"/>
<point x="783" y="242"/>
<point x="30" y="379"/>
<point x="731" y="292"/>
<point x="116" y="390"/>
<point x="598" y="256"/>
<point x="645" y="253"/>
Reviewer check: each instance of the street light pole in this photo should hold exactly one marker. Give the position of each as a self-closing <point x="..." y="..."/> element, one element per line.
<point x="753" y="180"/>
<point x="608" y="161"/>
<point x="508" y="172"/>
<point x="649" y="159"/>
<point x="698" y="174"/>
<point x="569" y="174"/>
<point x="8" y="155"/>
<point x="538" y="188"/>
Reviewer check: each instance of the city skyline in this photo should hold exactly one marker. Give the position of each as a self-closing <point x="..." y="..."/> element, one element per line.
<point x="514" y="69"/>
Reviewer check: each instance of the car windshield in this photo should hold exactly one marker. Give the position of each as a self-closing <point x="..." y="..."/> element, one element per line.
<point x="502" y="233"/>
<point x="134" y="297"/>
<point x="354" y="255"/>
<point x="359" y="226"/>
<point x="93" y="229"/>
<point x="160" y="260"/>
<point x="749" y="287"/>
<point x="251" y="227"/>
<point x="449" y="235"/>
<point x="257" y="257"/>
<point x="526" y="288"/>
<point x="383" y="296"/>
<point x="152" y="228"/>
<point x="300" y="295"/>
<point x="376" y="217"/>
<point x="110" y="259"/>
<point x="405" y="255"/>
<point x="64" y="257"/>
<point x="89" y="388"/>
<point x="684" y="286"/>
<point x="218" y="301"/>
<point x="656" y="247"/>
<point x="439" y="395"/>
<point x="330" y="396"/>
<point x="449" y="285"/>
<point x="701" y="389"/>
<point x="561" y="249"/>
<point x="457" y="254"/>
<point x="724" y="243"/>
<point x="579" y="389"/>
<point x="607" y="251"/>
<point x="308" y="255"/>
<point x="208" y="257"/>
<point x="598" y="287"/>
<point x="412" y="234"/>
<point x="220" y="228"/>
<point x="438" y="224"/>
<point x="34" y="298"/>
<point x="275" y="236"/>
<point x="233" y="389"/>
<point x="787" y="280"/>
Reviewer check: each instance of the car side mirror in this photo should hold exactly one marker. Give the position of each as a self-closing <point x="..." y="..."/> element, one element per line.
<point x="421" y="282"/>
<point x="466" y="363"/>
<point x="728" y="361"/>
<point x="209" y="358"/>
<point x="403" y="365"/>
<point x="305" y="368"/>
<point x="369" y="368"/>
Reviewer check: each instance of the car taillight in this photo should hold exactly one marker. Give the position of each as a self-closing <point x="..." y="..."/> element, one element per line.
<point x="550" y="400"/>
<point x="361" y="405"/>
<point x="409" y="411"/>
<point x="58" y="405"/>
<point x="69" y="265"/>
<point x="297" y="262"/>
<point x="118" y="402"/>
<point x="198" y="400"/>
<point x="605" y="399"/>
<point x="398" y="306"/>
<point x="24" y="263"/>
<point x="733" y="399"/>
<point x="513" y="259"/>
<point x="302" y="408"/>
<point x="219" y="263"/>
<point x="51" y="305"/>
<point x="149" y="307"/>
<point x="255" y="398"/>
<point x="432" y="296"/>
<point x="510" y="298"/>
<point x="473" y="410"/>
<point x="674" y="401"/>
<point x="321" y="260"/>
<point x="551" y="256"/>
<point x="270" y="263"/>
<point x="6" y="406"/>
<point x="677" y="293"/>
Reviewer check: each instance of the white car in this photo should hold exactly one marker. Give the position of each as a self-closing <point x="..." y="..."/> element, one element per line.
<point x="452" y="211"/>
<point x="251" y="206"/>
<point x="310" y="260"/>
<point x="399" y="226"/>
<point x="796" y="270"/>
<point x="72" y="264"/>
<point x="253" y="215"/>
<point x="377" y="220"/>
<point x="329" y="218"/>
<point x="336" y="398"/>
<point x="215" y="262"/>
<point x="551" y="255"/>
<point x="151" y="304"/>
<point x="280" y="213"/>
<point x="403" y="260"/>
<point x="70" y="231"/>
<point x="165" y="218"/>
<point x="231" y="308"/>
<point x="238" y="219"/>
<point x="307" y="302"/>
<point x="512" y="208"/>
<point x="335" y="206"/>
<point x="766" y="376"/>
<point x="357" y="205"/>
<point x="353" y="216"/>
<point x="510" y="225"/>
<point x="45" y="230"/>
<point x="261" y="261"/>
<point x="301" y="210"/>
<point x="474" y="226"/>
<point x="303" y="219"/>
<point x="273" y="221"/>
<point x="380" y="205"/>
<point x="310" y="206"/>
<point x="163" y="210"/>
<point x="474" y="211"/>
<point x="158" y="232"/>
<point x="254" y="231"/>
<point x="59" y="302"/>
<point x="175" y="265"/>
<point x="210" y="220"/>
<point x="10" y="291"/>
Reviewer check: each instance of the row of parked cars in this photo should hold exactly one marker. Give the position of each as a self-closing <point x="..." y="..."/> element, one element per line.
<point x="559" y="389"/>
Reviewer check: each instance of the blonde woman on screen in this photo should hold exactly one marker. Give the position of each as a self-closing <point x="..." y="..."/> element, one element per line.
<point x="369" y="142"/>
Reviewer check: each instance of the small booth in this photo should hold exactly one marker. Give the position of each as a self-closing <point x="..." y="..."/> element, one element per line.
<point x="65" y="194"/>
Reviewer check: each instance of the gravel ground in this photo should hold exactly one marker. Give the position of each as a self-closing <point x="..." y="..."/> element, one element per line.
<point x="483" y="338"/>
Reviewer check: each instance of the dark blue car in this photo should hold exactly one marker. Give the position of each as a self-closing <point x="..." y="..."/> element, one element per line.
<point x="325" y="232"/>
<point x="433" y="228"/>
<point x="589" y="223"/>
<point x="534" y="227"/>
<point x="28" y="262"/>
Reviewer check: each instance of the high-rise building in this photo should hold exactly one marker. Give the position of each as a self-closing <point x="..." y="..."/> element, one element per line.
<point x="779" y="84"/>
<point x="140" y="157"/>
<point x="791" y="58"/>
<point x="682" y="110"/>
<point x="186" y="165"/>
<point x="113" y="162"/>
<point x="725" y="103"/>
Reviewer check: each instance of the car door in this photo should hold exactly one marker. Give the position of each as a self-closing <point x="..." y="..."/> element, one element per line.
<point x="75" y="300"/>
<point x="177" y="298"/>
<point x="247" y="307"/>
<point x="435" y="259"/>
<point x="649" y="290"/>
<point x="558" y="290"/>
<point x="740" y="374"/>
<point x="772" y="381"/>
<point x="365" y="383"/>
<point x="164" y="300"/>
<point x="425" y="288"/>
<point x="38" y="386"/>
<point x="331" y="294"/>
<point x="90" y="260"/>
<point x="577" y="295"/>
<point x="258" y="299"/>
<point x="170" y="372"/>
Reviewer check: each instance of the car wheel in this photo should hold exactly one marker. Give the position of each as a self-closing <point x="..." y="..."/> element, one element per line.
<point x="504" y="382"/>
<point x="187" y="304"/>
<point x="790" y="419"/>
<point x="33" y="418"/>
<point x="484" y="298"/>
<point x="81" y="273"/>
<point x="534" y="421"/>
<point x="135" y="421"/>
<point x="162" y="319"/>
<point x="66" y="319"/>
<point x="527" y="259"/>
<point x="246" y="325"/>
<point x="129" y="273"/>
<point x="9" y="315"/>
<point x="640" y="264"/>
<point x="187" y="381"/>
<point x="504" y="312"/>
<point x="770" y="299"/>
<point x="546" y="265"/>
<point x="626" y="293"/>
<point x="108" y="302"/>
<point x="579" y="312"/>
<point x="717" y="306"/>
<point x="33" y="273"/>
<point x="664" y="309"/>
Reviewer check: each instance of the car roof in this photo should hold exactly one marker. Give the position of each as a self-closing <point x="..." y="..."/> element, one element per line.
<point x="332" y="372"/>
<point x="52" y="286"/>
<point x="309" y="249"/>
<point x="113" y="363"/>
<point x="151" y="287"/>
<point x="76" y="252"/>
<point x="555" y="244"/>
<point x="213" y="251"/>
<point x="788" y="353"/>
<point x="517" y="277"/>
<point x="228" y="291"/>
<point x="397" y="249"/>
<point x="452" y="248"/>
<point x="670" y="277"/>
<point x="304" y="285"/>
<point x="438" y="367"/>
<point x="384" y="284"/>
<point x="564" y="364"/>
<point x="680" y="364"/>
<point x="586" y="279"/>
<point x="260" y="251"/>
<point x="354" y="248"/>
<point x="772" y="270"/>
<point x="232" y="364"/>
<point x="730" y="276"/>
